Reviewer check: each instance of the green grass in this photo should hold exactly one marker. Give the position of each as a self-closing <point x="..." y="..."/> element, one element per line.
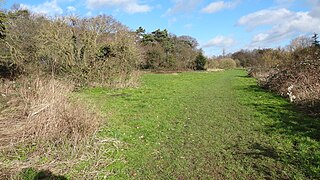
<point x="204" y="125"/>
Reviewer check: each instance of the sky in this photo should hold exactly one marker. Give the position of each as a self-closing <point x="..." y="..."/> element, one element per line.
<point x="216" y="24"/>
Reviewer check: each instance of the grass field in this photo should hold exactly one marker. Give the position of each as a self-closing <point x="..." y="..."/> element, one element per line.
<point x="203" y="125"/>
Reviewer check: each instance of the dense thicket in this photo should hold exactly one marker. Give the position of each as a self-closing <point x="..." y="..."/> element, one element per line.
<point x="292" y="71"/>
<point x="85" y="50"/>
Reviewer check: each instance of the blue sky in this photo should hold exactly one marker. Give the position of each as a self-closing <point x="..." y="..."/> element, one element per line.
<point x="216" y="24"/>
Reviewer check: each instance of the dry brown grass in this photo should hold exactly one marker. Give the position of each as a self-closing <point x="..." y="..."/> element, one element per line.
<point x="42" y="126"/>
<point x="41" y="110"/>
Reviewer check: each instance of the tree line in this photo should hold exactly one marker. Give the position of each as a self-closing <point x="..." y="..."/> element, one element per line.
<point x="165" y="51"/>
<point x="89" y="50"/>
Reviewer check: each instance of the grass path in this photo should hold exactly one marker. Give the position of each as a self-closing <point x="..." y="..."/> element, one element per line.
<point x="204" y="125"/>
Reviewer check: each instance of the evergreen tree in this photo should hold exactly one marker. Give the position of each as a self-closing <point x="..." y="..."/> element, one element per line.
<point x="200" y="62"/>
<point x="315" y="40"/>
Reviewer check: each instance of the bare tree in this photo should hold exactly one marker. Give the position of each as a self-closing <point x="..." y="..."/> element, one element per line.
<point x="300" y="43"/>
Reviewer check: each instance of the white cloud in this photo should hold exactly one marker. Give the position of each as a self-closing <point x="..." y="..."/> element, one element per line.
<point x="219" y="5"/>
<point x="136" y="8"/>
<point x="260" y="37"/>
<point x="220" y="42"/>
<point x="50" y="8"/>
<point x="315" y="12"/>
<point x="266" y="17"/>
<point x="182" y="6"/>
<point x="129" y="6"/>
<point x="284" y="24"/>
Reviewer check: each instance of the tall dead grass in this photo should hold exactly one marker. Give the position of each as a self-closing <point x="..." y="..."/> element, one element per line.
<point x="40" y="119"/>
<point x="41" y="110"/>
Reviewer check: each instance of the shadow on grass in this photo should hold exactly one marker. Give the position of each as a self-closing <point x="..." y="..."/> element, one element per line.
<point x="32" y="174"/>
<point x="294" y="135"/>
<point x="287" y="117"/>
<point x="262" y="151"/>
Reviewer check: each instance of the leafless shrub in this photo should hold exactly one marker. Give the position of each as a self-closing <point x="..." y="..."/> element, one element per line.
<point x="299" y="78"/>
<point x="292" y="72"/>
<point x="212" y="64"/>
<point x="224" y="63"/>
<point x="97" y="50"/>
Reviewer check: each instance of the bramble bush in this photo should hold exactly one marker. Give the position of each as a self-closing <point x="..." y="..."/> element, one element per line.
<point x="291" y="72"/>
<point x="97" y="50"/>
<point x="299" y="78"/>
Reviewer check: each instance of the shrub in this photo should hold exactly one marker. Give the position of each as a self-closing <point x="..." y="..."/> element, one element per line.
<point x="96" y="50"/>
<point x="224" y="63"/>
<point x="87" y="51"/>
<point x="298" y="78"/>
<point x="227" y="63"/>
<point x="212" y="64"/>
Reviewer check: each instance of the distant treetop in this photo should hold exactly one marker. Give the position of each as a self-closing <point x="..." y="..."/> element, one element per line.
<point x="315" y="40"/>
